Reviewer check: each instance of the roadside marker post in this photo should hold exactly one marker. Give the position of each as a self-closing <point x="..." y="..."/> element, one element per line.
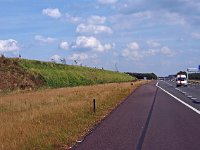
<point x="94" y="105"/>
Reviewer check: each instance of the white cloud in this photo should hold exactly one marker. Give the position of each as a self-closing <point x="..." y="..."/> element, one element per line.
<point x="56" y="58"/>
<point x="147" y="18"/>
<point x="93" y="29"/>
<point x="167" y="51"/>
<point x="131" y="54"/>
<point x="128" y="21"/>
<point x="160" y="50"/>
<point x="143" y="15"/>
<point x="80" y="56"/>
<point x="133" y="46"/>
<point x="151" y="52"/>
<point x="9" y="45"/>
<point x="196" y="35"/>
<point x="153" y="44"/>
<point x="96" y="20"/>
<point x="52" y="12"/>
<point x="64" y="45"/>
<point x="73" y="19"/>
<point x="132" y="51"/>
<point x="174" y="18"/>
<point x="92" y="43"/>
<point x="43" y="39"/>
<point x="107" y="1"/>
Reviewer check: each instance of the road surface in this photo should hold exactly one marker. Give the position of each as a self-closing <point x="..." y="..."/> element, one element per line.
<point x="151" y="118"/>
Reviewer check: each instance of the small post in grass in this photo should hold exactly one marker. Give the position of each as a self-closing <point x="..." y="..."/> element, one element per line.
<point x="94" y="105"/>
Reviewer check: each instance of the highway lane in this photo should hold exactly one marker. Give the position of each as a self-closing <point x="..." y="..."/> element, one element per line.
<point x="149" y="119"/>
<point x="190" y="94"/>
<point x="122" y="128"/>
<point x="172" y="126"/>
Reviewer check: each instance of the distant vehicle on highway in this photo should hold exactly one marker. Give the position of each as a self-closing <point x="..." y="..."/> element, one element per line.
<point x="181" y="80"/>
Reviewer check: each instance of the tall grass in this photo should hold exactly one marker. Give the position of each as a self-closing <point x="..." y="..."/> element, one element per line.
<point x="58" y="75"/>
<point x="55" y="118"/>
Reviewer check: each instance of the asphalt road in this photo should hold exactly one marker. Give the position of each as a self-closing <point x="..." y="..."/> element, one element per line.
<point x="189" y="94"/>
<point x="149" y="119"/>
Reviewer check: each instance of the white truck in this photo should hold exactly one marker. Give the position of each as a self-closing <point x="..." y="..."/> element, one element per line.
<point x="181" y="80"/>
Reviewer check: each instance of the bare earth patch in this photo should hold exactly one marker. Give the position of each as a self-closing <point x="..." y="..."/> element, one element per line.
<point x="56" y="118"/>
<point x="13" y="77"/>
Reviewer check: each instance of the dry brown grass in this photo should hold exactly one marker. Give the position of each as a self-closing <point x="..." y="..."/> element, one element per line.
<point x="53" y="118"/>
<point x="194" y="81"/>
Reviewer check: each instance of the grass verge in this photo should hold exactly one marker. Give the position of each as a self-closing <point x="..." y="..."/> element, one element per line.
<point x="194" y="81"/>
<point x="59" y="75"/>
<point x="56" y="118"/>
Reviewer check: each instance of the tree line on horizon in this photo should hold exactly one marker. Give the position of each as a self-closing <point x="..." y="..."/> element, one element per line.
<point x="148" y="76"/>
<point x="194" y="76"/>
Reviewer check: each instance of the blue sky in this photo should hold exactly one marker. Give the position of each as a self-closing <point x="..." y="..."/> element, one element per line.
<point x="160" y="36"/>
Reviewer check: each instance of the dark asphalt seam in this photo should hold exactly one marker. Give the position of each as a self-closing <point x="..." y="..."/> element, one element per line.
<point x="144" y="131"/>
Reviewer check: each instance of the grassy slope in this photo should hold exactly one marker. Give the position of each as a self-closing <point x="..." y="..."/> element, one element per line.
<point x="58" y="75"/>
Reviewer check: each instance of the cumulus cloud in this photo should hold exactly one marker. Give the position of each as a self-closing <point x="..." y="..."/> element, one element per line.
<point x="132" y="51"/>
<point x="147" y="18"/>
<point x="174" y="18"/>
<point x="9" y="45"/>
<point x="92" y="43"/>
<point x="128" y="21"/>
<point x="93" y="29"/>
<point x="133" y="45"/>
<point x="64" y="45"/>
<point x="52" y="12"/>
<point x="43" y="39"/>
<point x="196" y="35"/>
<point x="93" y="19"/>
<point x="107" y="1"/>
<point x="56" y="58"/>
<point x="181" y="6"/>
<point x="153" y="44"/>
<point x="72" y="19"/>
<point x="151" y="52"/>
<point x="143" y="14"/>
<point x="173" y="12"/>
<point x="167" y="51"/>
<point x="78" y="56"/>
<point x="96" y="20"/>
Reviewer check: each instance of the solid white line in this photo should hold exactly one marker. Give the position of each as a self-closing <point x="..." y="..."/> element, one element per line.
<point x="187" y="105"/>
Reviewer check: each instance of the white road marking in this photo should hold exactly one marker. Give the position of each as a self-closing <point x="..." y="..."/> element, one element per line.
<point x="79" y="141"/>
<point x="187" y="105"/>
<point x="194" y="98"/>
<point x="189" y="96"/>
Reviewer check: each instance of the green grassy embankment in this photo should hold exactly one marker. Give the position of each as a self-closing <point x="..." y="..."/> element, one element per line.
<point x="58" y="75"/>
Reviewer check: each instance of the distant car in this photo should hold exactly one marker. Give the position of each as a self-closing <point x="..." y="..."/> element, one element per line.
<point x="181" y="80"/>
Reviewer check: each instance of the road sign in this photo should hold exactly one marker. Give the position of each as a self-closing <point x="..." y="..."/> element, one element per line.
<point x="192" y="69"/>
<point x="199" y="67"/>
